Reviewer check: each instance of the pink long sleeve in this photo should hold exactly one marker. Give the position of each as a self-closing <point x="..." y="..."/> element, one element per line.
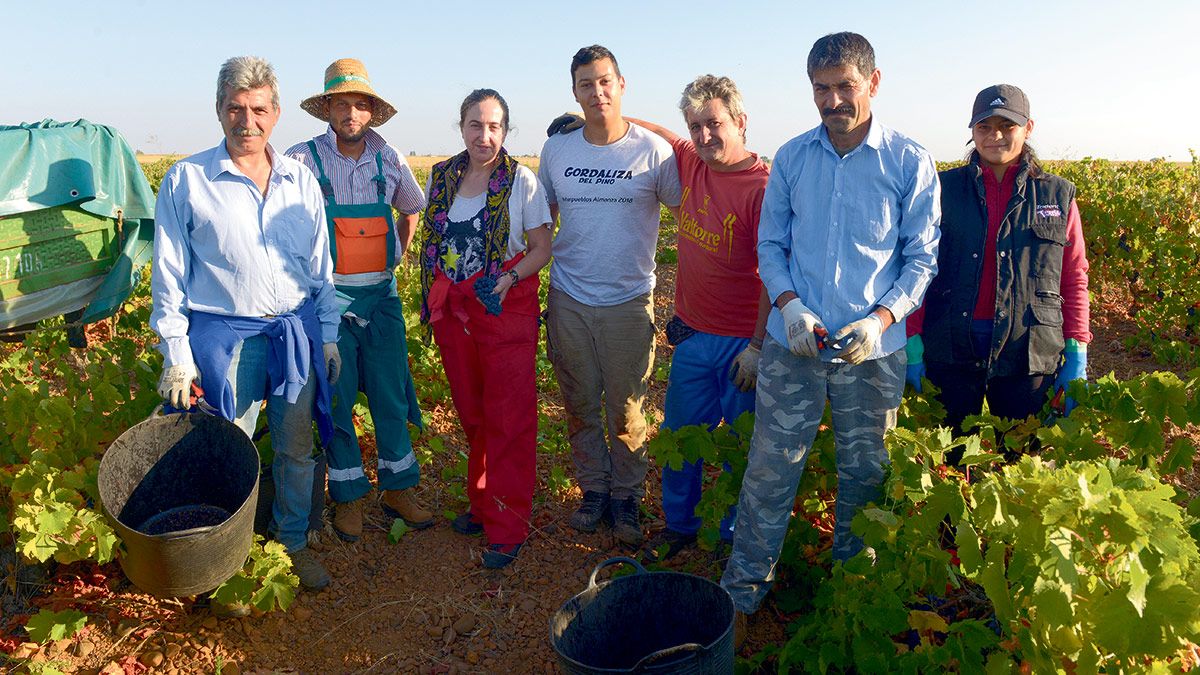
<point x="1074" y="284"/>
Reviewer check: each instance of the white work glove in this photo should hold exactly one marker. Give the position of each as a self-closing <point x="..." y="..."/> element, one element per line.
<point x="863" y="336"/>
<point x="333" y="361"/>
<point x="175" y="385"/>
<point x="744" y="371"/>
<point x="799" y="323"/>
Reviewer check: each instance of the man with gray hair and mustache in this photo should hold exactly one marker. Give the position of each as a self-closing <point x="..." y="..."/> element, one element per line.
<point x="847" y="245"/>
<point x="243" y="293"/>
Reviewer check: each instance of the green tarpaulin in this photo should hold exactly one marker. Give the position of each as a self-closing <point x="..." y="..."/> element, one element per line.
<point x="76" y="221"/>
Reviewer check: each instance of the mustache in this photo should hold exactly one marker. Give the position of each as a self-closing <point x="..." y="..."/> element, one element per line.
<point x="844" y="110"/>
<point x="246" y="133"/>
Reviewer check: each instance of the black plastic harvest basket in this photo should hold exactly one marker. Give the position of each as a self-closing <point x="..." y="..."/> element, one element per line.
<point x="647" y="622"/>
<point x="180" y="491"/>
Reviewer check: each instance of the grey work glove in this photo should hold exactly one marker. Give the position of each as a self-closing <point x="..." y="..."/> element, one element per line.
<point x="175" y="385"/>
<point x="800" y="324"/>
<point x="863" y="335"/>
<point x="744" y="371"/>
<point x="333" y="361"/>
<point x="565" y="124"/>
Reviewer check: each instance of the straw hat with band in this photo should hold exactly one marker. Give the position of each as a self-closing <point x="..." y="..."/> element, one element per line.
<point x="347" y="76"/>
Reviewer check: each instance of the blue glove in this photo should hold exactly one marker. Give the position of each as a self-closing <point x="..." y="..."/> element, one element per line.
<point x="915" y="350"/>
<point x="1074" y="367"/>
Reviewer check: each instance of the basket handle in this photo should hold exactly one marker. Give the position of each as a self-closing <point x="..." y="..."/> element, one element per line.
<point x="649" y="659"/>
<point x="614" y="561"/>
<point x="179" y="534"/>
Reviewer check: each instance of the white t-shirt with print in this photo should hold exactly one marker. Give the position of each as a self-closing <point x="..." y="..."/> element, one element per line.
<point x="607" y="197"/>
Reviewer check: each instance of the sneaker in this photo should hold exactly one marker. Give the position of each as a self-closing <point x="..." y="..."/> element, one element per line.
<point x="310" y="570"/>
<point x="593" y="509"/>
<point x="348" y="520"/>
<point x="403" y="504"/>
<point x="496" y="556"/>
<point x="666" y="545"/>
<point x="626" y="514"/>
<point x="467" y="524"/>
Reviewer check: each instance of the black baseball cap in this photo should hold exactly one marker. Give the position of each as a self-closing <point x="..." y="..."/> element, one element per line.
<point x="1004" y="100"/>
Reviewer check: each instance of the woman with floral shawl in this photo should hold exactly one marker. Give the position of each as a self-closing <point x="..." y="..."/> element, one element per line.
<point x="486" y="234"/>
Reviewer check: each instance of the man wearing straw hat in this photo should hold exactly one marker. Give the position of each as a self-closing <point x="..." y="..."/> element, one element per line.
<point x="843" y="271"/>
<point x="363" y="178"/>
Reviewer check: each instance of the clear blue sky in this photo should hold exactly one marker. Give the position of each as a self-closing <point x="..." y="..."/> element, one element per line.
<point x="1107" y="79"/>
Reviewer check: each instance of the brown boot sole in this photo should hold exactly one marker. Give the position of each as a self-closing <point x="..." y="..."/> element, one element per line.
<point x="350" y="538"/>
<point x="393" y="513"/>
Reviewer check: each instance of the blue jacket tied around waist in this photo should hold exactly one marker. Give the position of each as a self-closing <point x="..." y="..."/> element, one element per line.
<point x="293" y="346"/>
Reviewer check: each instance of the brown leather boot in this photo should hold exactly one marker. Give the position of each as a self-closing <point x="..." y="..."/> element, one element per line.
<point x="348" y="520"/>
<point x="403" y="504"/>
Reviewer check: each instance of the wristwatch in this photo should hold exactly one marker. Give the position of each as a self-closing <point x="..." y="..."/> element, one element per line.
<point x="515" y="277"/>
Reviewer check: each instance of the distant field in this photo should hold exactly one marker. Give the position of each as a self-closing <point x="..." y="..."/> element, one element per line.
<point x="418" y="162"/>
<point x="424" y="163"/>
<point x="150" y="159"/>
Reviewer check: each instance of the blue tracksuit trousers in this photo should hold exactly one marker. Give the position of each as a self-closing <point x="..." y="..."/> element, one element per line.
<point x="699" y="391"/>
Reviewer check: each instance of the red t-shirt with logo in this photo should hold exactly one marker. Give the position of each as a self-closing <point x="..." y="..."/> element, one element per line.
<point x="716" y="285"/>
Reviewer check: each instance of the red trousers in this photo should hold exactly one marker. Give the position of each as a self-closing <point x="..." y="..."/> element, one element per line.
<point x="490" y="364"/>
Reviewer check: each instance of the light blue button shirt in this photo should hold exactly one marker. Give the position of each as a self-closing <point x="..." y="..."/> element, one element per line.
<point x="220" y="246"/>
<point x="848" y="234"/>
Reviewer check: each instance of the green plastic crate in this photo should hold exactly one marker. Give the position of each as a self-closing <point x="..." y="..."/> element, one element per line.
<point x="50" y="247"/>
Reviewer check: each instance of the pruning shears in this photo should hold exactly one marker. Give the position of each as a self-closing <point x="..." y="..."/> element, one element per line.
<point x="196" y="400"/>
<point x="821" y="333"/>
<point x="1058" y="407"/>
<point x="823" y="341"/>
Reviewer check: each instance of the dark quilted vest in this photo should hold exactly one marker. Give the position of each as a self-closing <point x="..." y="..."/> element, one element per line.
<point x="1027" y="337"/>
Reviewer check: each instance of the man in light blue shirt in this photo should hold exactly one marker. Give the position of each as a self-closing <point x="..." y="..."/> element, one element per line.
<point x="243" y="292"/>
<point x="847" y="246"/>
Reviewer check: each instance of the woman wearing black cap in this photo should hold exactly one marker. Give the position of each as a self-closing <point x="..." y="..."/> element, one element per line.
<point x="1006" y="318"/>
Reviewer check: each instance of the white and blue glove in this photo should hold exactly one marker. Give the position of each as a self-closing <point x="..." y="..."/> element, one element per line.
<point x="175" y="385"/>
<point x="863" y="335"/>
<point x="800" y="324"/>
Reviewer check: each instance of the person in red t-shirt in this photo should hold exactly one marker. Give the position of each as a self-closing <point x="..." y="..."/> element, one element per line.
<point x="1007" y="317"/>
<point x="721" y="306"/>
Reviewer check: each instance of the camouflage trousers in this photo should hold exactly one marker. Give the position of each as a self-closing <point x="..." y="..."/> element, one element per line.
<point x="791" y="397"/>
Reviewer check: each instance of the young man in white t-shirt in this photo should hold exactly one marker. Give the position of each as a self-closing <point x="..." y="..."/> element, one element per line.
<point x="606" y="180"/>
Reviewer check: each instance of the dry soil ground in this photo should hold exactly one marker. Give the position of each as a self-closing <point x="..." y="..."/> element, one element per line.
<point x="424" y="604"/>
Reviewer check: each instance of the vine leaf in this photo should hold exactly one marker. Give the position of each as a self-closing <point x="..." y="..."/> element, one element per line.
<point x="47" y="625"/>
